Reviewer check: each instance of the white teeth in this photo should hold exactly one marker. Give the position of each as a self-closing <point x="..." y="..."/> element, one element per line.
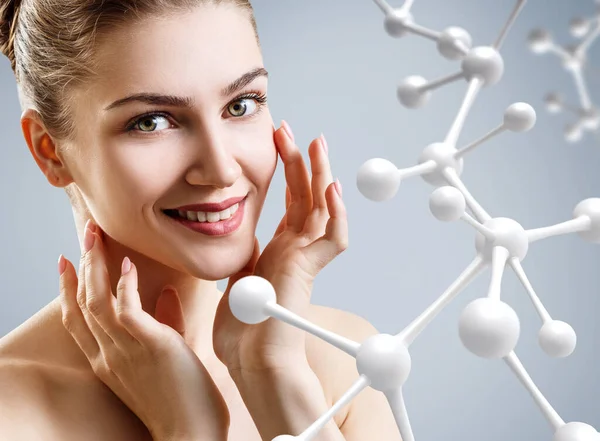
<point x="203" y="216"/>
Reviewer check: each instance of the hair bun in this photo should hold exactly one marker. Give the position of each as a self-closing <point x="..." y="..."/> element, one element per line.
<point x="9" y="12"/>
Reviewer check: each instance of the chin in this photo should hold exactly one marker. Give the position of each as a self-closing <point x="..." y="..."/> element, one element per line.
<point x="217" y="265"/>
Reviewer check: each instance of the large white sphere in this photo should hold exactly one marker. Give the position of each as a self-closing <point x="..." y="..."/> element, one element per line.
<point x="576" y="431"/>
<point x="557" y="338"/>
<point x="409" y="92"/>
<point x="285" y="438"/>
<point x="519" y="117"/>
<point x="447" y="203"/>
<point x="385" y="360"/>
<point x="378" y="179"/>
<point x="443" y="155"/>
<point x="395" y="22"/>
<point x="483" y="62"/>
<point x="489" y="328"/>
<point x="540" y="41"/>
<point x="447" y="46"/>
<point x="248" y="298"/>
<point x="508" y="233"/>
<point x="578" y="27"/>
<point x="589" y="207"/>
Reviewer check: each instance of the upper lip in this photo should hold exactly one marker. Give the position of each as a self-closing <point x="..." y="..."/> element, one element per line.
<point x="211" y="206"/>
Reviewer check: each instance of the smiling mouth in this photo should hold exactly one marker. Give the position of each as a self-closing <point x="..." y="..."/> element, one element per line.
<point x="203" y="216"/>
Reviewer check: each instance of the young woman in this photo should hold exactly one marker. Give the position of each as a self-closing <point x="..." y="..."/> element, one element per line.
<point x="152" y="115"/>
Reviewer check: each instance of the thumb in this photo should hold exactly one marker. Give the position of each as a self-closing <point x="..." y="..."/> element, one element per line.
<point x="248" y="269"/>
<point x="169" y="310"/>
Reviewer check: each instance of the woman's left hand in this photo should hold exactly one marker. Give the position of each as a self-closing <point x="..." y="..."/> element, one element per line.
<point x="313" y="231"/>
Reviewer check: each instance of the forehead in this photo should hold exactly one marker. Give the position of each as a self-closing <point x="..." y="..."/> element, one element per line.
<point x="196" y="52"/>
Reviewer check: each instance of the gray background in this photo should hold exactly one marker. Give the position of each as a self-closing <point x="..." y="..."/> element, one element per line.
<point x="334" y="69"/>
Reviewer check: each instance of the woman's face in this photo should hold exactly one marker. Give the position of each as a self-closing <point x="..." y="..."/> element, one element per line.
<point x="129" y="167"/>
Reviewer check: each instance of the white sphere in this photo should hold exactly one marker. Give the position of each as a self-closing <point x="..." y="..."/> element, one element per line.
<point x="395" y="22"/>
<point x="248" y="298"/>
<point x="378" y="179"/>
<point x="508" y="233"/>
<point x="573" y="132"/>
<point x="409" y="93"/>
<point x="285" y="438"/>
<point x="575" y="431"/>
<point x="385" y="360"/>
<point x="443" y="155"/>
<point x="489" y="328"/>
<point x="578" y="27"/>
<point x="589" y="207"/>
<point x="554" y="102"/>
<point x="591" y="119"/>
<point x="447" y="42"/>
<point x="540" y="41"/>
<point x="483" y="62"/>
<point x="519" y="117"/>
<point x="447" y="203"/>
<point x="557" y="338"/>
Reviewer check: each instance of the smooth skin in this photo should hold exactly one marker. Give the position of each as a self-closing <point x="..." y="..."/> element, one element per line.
<point x="54" y="389"/>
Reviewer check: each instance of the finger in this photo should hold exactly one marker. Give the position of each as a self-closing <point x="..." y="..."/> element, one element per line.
<point x="321" y="179"/>
<point x="141" y="325"/>
<point x="100" y="301"/>
<point x="298" y="180"/>
<point x="335" y="239"/>
<point x="72" y="317"/>
<point x="283" y="222"/>
<point x="169" y="310"/>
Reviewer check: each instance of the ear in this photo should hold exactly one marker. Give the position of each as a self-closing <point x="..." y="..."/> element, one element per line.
<point x="44" y="150"/>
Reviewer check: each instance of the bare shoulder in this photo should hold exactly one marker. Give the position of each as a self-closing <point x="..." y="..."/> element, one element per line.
<point x="335" y="369"/>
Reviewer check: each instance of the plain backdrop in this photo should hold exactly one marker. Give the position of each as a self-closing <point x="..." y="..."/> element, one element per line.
<point x="333" y="69"/>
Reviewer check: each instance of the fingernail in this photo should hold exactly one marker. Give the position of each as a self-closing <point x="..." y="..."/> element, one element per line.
<point x="88" y="239"/>
<point x="338" y="187"/>
<point x="324" y="143"/>
<point x="62" y="265"/>
<point x="125" y="266"/>
<point x="288" y="129"/>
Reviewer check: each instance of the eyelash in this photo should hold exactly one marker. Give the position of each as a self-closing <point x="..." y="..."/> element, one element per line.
<point x="259" y="97"/>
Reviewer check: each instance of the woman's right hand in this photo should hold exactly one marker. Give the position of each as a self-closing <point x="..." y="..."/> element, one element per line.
<point x="144" y="360"/>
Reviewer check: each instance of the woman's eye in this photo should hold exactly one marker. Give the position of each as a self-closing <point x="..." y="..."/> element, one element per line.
<point x="240" y="107"/>
<point x="148" y="123"/>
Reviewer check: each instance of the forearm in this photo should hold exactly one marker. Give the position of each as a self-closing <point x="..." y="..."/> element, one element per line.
<point x="285" y="403"/>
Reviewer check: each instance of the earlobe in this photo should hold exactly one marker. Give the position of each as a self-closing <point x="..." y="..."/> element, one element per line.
<point x="44" y="150"/>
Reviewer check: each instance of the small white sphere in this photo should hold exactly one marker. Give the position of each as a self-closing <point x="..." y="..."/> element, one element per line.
<point x="508" y="233"/>
<point x="540" y="41"/>
<point x="483" y="62"/>
<point x="447" y="42"/>
<point x="489" y="328"/>
<point x="575" y="431"/>
<point x="443" y="155"/>
<point x="285" y="438"/>
<point x="575" y="59"/>
<point x="248" y="298"/>
<point x="554" y="102"/>
<point x="378" y="179"/>
<point x="578" y="27"/>
<point x="395" y="22"/>
<point x="573" y="132"/>
<point x="589" y="207"/>
<point x="591" y="119"/>
<point x="447" y="203"/>
<point x="409" y="93"/>
<point x="385" y="360"/>
<point x="519" y="117"/>
<point x="557" y="338"/>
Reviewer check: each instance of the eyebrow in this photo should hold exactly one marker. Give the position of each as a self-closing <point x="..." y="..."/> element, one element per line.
<point x="186" y="101"/>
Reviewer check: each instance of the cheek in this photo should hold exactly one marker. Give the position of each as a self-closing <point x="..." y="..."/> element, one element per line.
<point x="260" y="163"/>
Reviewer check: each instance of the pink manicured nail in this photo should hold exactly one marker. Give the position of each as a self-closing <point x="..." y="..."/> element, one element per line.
<point x="62" y="264"/>
<point x="88" y="239"/>
<point x="288" y="130"/>
<point x="125" y="266"/>
<point x="338" y="187"/>
<point x="325" y="146"/>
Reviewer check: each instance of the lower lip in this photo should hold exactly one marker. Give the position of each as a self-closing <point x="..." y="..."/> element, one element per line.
<point x="220" y="228"/>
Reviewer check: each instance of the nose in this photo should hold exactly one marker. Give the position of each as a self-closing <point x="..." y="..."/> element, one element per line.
<point x="215" y="165"/>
